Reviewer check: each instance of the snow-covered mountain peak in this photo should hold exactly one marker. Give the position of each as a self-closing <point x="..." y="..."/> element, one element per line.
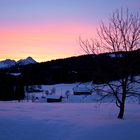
<point x="7" y="63"/>
<point x="28" y="60"/>
<point x="11" y="63"/>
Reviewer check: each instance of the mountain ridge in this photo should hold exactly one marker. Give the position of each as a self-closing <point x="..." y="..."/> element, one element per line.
<point x="8" y="63"/>
<point x="97" y="68"/>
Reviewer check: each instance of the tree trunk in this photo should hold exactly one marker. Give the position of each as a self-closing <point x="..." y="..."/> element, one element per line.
<point x="121" y="113"/>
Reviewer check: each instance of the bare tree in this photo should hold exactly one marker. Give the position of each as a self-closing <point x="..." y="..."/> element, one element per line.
<point x="121" y="33"/>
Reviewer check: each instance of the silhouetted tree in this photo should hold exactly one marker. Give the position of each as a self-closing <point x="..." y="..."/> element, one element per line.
<point x="121" y="33"/>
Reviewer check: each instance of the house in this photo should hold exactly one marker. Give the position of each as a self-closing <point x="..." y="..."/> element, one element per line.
<point x="83" y="89"/>
<point x="33" y="88"/>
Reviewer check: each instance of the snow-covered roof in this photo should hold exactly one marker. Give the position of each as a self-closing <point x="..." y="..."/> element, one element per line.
<point x="15" y="74"/>
<point x="83" y="87"/>
<point x="113" y="55"/>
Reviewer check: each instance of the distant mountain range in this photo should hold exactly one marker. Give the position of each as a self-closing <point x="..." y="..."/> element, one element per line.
<point x="8" y="63"/>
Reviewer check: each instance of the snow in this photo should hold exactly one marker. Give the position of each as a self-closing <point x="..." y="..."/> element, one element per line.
<point x="83" y="87"/>
<point x="67" y="91"/>
<point x="113" y="55"/>
<point x="77" y="117"/>
<point x="28" y="60"/>
<point x="7" y="63"/>
<point x="53" y="90"/>
<point x="11" y="63"/>
<point x="67" y="121"/>
<point x="15" y="74"/>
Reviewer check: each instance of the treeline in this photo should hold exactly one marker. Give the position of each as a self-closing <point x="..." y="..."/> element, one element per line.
<point x="97" y="68"/>
<point x="11" y="87"/>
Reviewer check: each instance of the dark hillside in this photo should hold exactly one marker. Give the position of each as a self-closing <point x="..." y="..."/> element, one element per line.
<point x="99" y="68"/>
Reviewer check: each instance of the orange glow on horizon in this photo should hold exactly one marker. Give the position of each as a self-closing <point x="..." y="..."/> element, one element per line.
<point x="41" y="41"/>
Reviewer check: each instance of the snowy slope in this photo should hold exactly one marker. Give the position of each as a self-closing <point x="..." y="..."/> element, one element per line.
<point x="10" y="63"/>
<point x="7" y="63"/>
<point x="41" y="121"/>
<point x="76" y="118"/>
<point x="28" y="60"/>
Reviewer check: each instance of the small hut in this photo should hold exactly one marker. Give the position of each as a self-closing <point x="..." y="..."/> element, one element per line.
<point x="83" y="89"/>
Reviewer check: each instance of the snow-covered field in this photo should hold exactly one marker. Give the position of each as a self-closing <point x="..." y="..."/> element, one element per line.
<point x="76" y="118"/>
<point x="67" y="121"/>
<point x="62" y="90"/>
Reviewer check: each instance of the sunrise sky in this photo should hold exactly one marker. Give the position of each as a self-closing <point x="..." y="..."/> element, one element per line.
<point x="49" y="29"/>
